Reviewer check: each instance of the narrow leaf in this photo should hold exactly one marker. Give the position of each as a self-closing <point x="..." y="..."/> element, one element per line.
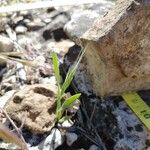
<point x="24" y="62"/>
<point x="68" y="79"/>
<point x="58" y="100"/>
<point x="67" y="103"/>
<point x="56" y="67"/>
<point x="71" y="73"/>
<point x="59" y="113"/>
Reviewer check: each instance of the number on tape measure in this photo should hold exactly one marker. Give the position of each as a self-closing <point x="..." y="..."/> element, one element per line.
<point x="145" y="114"/>
<point x="140" y="108"/>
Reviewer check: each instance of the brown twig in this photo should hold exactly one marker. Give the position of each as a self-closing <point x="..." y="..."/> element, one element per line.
<point x="18" y="130"/>
<point x="23" y="121"/>
<point x="91" y="126"/>
<point x="91" y="117"/>
<point x="84" y="133"/>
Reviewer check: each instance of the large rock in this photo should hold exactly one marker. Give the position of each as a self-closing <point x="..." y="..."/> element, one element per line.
<point x="35" y="104"/>
<point x="117" y="126"/>
<point x="118" y="49"/>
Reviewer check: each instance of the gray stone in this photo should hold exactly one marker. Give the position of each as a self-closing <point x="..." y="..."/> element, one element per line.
<point x="71" y="138"/>
<point x="93" y="147"/>
<point x="117" y="49"/>
<point x="6" y="44"/>
<point x="83" y="17"/>
<point x="54" y="30"/>
<point x="80" y="23"/>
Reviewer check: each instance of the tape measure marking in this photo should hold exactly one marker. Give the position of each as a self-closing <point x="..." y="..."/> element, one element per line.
<point x="140" y="108"/>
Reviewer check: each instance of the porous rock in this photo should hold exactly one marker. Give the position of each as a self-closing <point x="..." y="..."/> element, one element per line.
<point x="117" y="49"/>
<point x="35" y="104"/>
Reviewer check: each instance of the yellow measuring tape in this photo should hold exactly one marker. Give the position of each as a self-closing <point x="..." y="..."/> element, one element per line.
<point x="140" y="108"/>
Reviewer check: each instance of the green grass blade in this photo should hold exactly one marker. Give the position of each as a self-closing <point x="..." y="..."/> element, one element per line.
<point x="57" y="76"/>
<point x="58" y="98"/>
<point x="59" y="113"/>
<point x="56" y="67"/>
<point x="67" y="103"/>
<point x="68" y="80"/>
<point x="71" y="73"/>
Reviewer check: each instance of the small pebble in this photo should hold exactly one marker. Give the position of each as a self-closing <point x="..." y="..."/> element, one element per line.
<point x="20" y="29"/>
<point x="67" y="124"/>
<point x="55" y="139"/>
<point x="6" y="44"/>
<point x="26" y="20"/>
<point x="71" y="138"/>
<point x="18" y="19"/>
<point x="47" y="20"/>
<point x="93" y="147"/>
<point x="35" y="25"/>
<point x="4" y="99"/>
<point x="23" y="13"/>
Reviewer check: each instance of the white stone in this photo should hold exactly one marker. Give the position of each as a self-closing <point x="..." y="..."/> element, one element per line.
<point x="8" y="146"/>
<point x="47" y="20"/>
<point x="67" y="123"/>
<point x="55" y="139"/>
<point x="5" y="98"/>
<point x="20" y="29"/>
